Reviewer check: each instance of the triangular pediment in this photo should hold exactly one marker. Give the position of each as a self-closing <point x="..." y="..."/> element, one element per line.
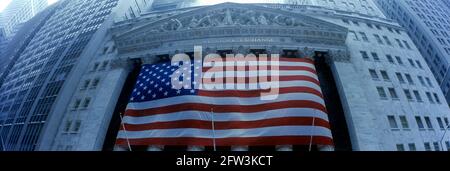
<point x="230" y="15"/>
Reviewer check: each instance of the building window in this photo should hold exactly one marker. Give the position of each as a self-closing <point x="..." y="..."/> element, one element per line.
<point x="411" y="62"/>
<point x="67" y="126"/>
<point x="429" y="81"/>
<point x="104" y="65"/>
<point x="392" y="122"/>
<point x="399" y="43"/>
<point x="400" y="147"/>
<point x="421" y="80"/>
<point x="409" y="78"/>
<point x="381" y="93"/>
<point x="390" y="59"/>
<point x="76" y="104"/>
<point x="364" y="36"/>
<point x="378" y="38"/>
<point x="393" y="93"/>
<point x="408" y="95"/>
<point x="427" y="146"/>
<point x="95" y="83"/>
<point x="436" y="146"/>
<point x="375" y="56"/>
<point x="386" y="39"/>
<point x="364" y="55"/>
<point x="429" y="97"/>
<point x="85" y="84"/>
<point x="373" y="74"/>
<point x="399" y="60"/>
<point x="385" y="76"/>
<point x="96" y="65"/>
<point x="419" y="122"/>
<point x="404" y="122"/>
<point x="417" y="95"/>
<point x="428" y="122"/>
<point x="441" y="124"/>
<point x="77" y="126"/>
<point x="86" y="103"/>
<point x="412" y="147"/>
<point x="400" y="78"/>
<point x="437" y="98"/>
<point x="406" y="44"/>
<point x="419" y="64"/>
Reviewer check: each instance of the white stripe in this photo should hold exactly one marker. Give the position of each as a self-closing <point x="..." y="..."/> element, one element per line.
<point x="226" y="117"/>
<point x="256" y="86"/>
<point x="253" y="63"/>
<point x="231" y="133"/>
<point x="260" y="73"/>
<point x="222" y="100"/>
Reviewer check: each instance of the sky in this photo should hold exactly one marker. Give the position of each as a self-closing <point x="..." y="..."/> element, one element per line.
<point x="4" y="3"/>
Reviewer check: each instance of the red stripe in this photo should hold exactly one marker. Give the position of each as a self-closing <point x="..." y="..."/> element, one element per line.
<point x="199" y="124"/>
<point x="227" y="108"/>
<point x="253" y="141"/>
<point x="257" y="93"/>
<point x="255" y="68"/>
<point x="249" y="80"/>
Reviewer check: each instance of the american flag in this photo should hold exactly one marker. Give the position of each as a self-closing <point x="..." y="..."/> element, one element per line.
<point x="157" y="114"/>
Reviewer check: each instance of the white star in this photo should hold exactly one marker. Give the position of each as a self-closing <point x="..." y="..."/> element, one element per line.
<point x="154" y="96"/>
<point x="163" y="80"/>
<point x="147" y="70"/>
<point x="192" y="91"/>
<point x="156" y="85"/>
<point x="154" y="74"/>
<point x="152" y="82"/>
<point x="134" y="90"/>
<point x="164" y="65"/>
<point x="138" y="93"/>
<point x="150" y="72"/>
<point x="173" y="70"/>
<point x="145" y="88"/>
<point x="158" y="77"/>
<point x="141" y="85"/>
<point x="157" y="68"/>
<point x="167" y="83"/>
<point x="153" y="66"/>
<point x="143" y="97"/>
<point x="168" y="67"/>
<point x="161" y="70"/>
<point x="148" y="80"/>
<point x="132" y="98"/>
<point x="165" y="73"/>
<point x="150" y="91"/>
<point x="178" y="91"/>
<point x="161" y="89"/>
<point x="166" y="93"/>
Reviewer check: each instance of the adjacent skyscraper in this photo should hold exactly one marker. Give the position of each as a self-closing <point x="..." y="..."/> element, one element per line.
<point x="18" y="12"/>
<point x="428" y="24"/>
<point x="43" y="61"/>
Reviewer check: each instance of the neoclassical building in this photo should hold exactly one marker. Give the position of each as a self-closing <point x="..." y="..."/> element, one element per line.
<point x="379" y="93"/>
